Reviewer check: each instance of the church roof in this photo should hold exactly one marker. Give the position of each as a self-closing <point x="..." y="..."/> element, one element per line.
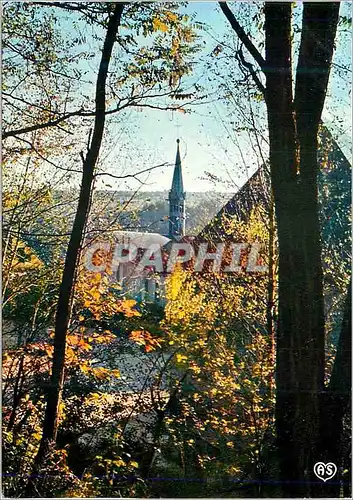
<point x="141" y="239"/>
<point x="177" y="184"/>
<point x="255" y="192"/>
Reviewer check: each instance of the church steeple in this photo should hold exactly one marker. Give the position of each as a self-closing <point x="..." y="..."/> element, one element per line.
<point x="177" y="201"/>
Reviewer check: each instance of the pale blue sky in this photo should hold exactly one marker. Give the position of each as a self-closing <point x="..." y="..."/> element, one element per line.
<point x="204" y="144"/>
<point x="143" y="139"/>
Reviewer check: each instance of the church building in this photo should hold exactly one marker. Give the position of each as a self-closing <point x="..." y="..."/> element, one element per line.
<point x="145" y="284"/>
<point x="334" y="193"/>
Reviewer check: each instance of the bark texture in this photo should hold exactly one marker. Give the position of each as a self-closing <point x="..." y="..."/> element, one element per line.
<point x="293" y="124"/>
<point x="63" y="311"/>
<point x="293" y="127"/>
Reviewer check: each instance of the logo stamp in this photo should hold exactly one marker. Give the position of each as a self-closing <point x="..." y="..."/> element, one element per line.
<point x="325" y="472"/>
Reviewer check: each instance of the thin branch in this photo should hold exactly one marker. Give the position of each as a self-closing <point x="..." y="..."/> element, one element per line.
<point x="69" y="6"/>
<point x="33" y="104"/>
<point x="46" y="159"/>
<point x="242" y="35"/>
<point x="252" y="72"/>
<point x="127" y="176"/>
<point x="82" y="113"/>
<point x="39" y="126"/>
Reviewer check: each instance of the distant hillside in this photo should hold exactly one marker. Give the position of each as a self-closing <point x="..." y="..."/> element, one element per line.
<point x="149" y="210"/>
<point x="49" y="228"/>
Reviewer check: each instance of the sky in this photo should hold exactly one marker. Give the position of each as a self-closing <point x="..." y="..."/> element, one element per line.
<point x="142" y="139"/>
<point x="201" y="133"/>
<point x="204" y="144"/>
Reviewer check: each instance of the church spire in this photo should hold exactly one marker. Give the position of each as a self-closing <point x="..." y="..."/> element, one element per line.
<point x="177" y="200"/>
<point x="177" y="184"/>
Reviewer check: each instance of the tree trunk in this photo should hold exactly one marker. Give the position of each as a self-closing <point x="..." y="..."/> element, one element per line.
<point x="50" y="425"/>
<point x="293" y="128"/>
<point x="284" y="166"/>
<point x="17" y="393"/>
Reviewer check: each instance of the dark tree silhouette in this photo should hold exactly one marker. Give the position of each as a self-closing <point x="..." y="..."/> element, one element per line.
<point x="293" y="124"/>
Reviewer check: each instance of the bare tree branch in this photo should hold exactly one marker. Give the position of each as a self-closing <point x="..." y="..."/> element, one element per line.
<point x="39" y="126"/>
<point x="242" y="35"/>
<point x="127" y="176"/>
<point x="252" y="72"/>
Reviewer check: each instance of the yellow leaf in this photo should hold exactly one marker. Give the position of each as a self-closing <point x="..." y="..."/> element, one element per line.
<point x="95" y="395"/>
<point x="119" y="463"/>
<point x="159" y="25"/>
<point x="95" y="294"/>
<point x="171" y="16"/>
<point x="85" y="368"/>
<point x="181" y="358"/>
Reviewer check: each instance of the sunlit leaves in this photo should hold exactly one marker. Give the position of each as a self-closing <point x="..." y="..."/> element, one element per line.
<point x="145" y="339"/>
<point x="180" y="358"/>
<point x="94" y="294"/>
<point x="158" y="24"/>
<point x="101" y="373"/>
<point x="217" y="324"/>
